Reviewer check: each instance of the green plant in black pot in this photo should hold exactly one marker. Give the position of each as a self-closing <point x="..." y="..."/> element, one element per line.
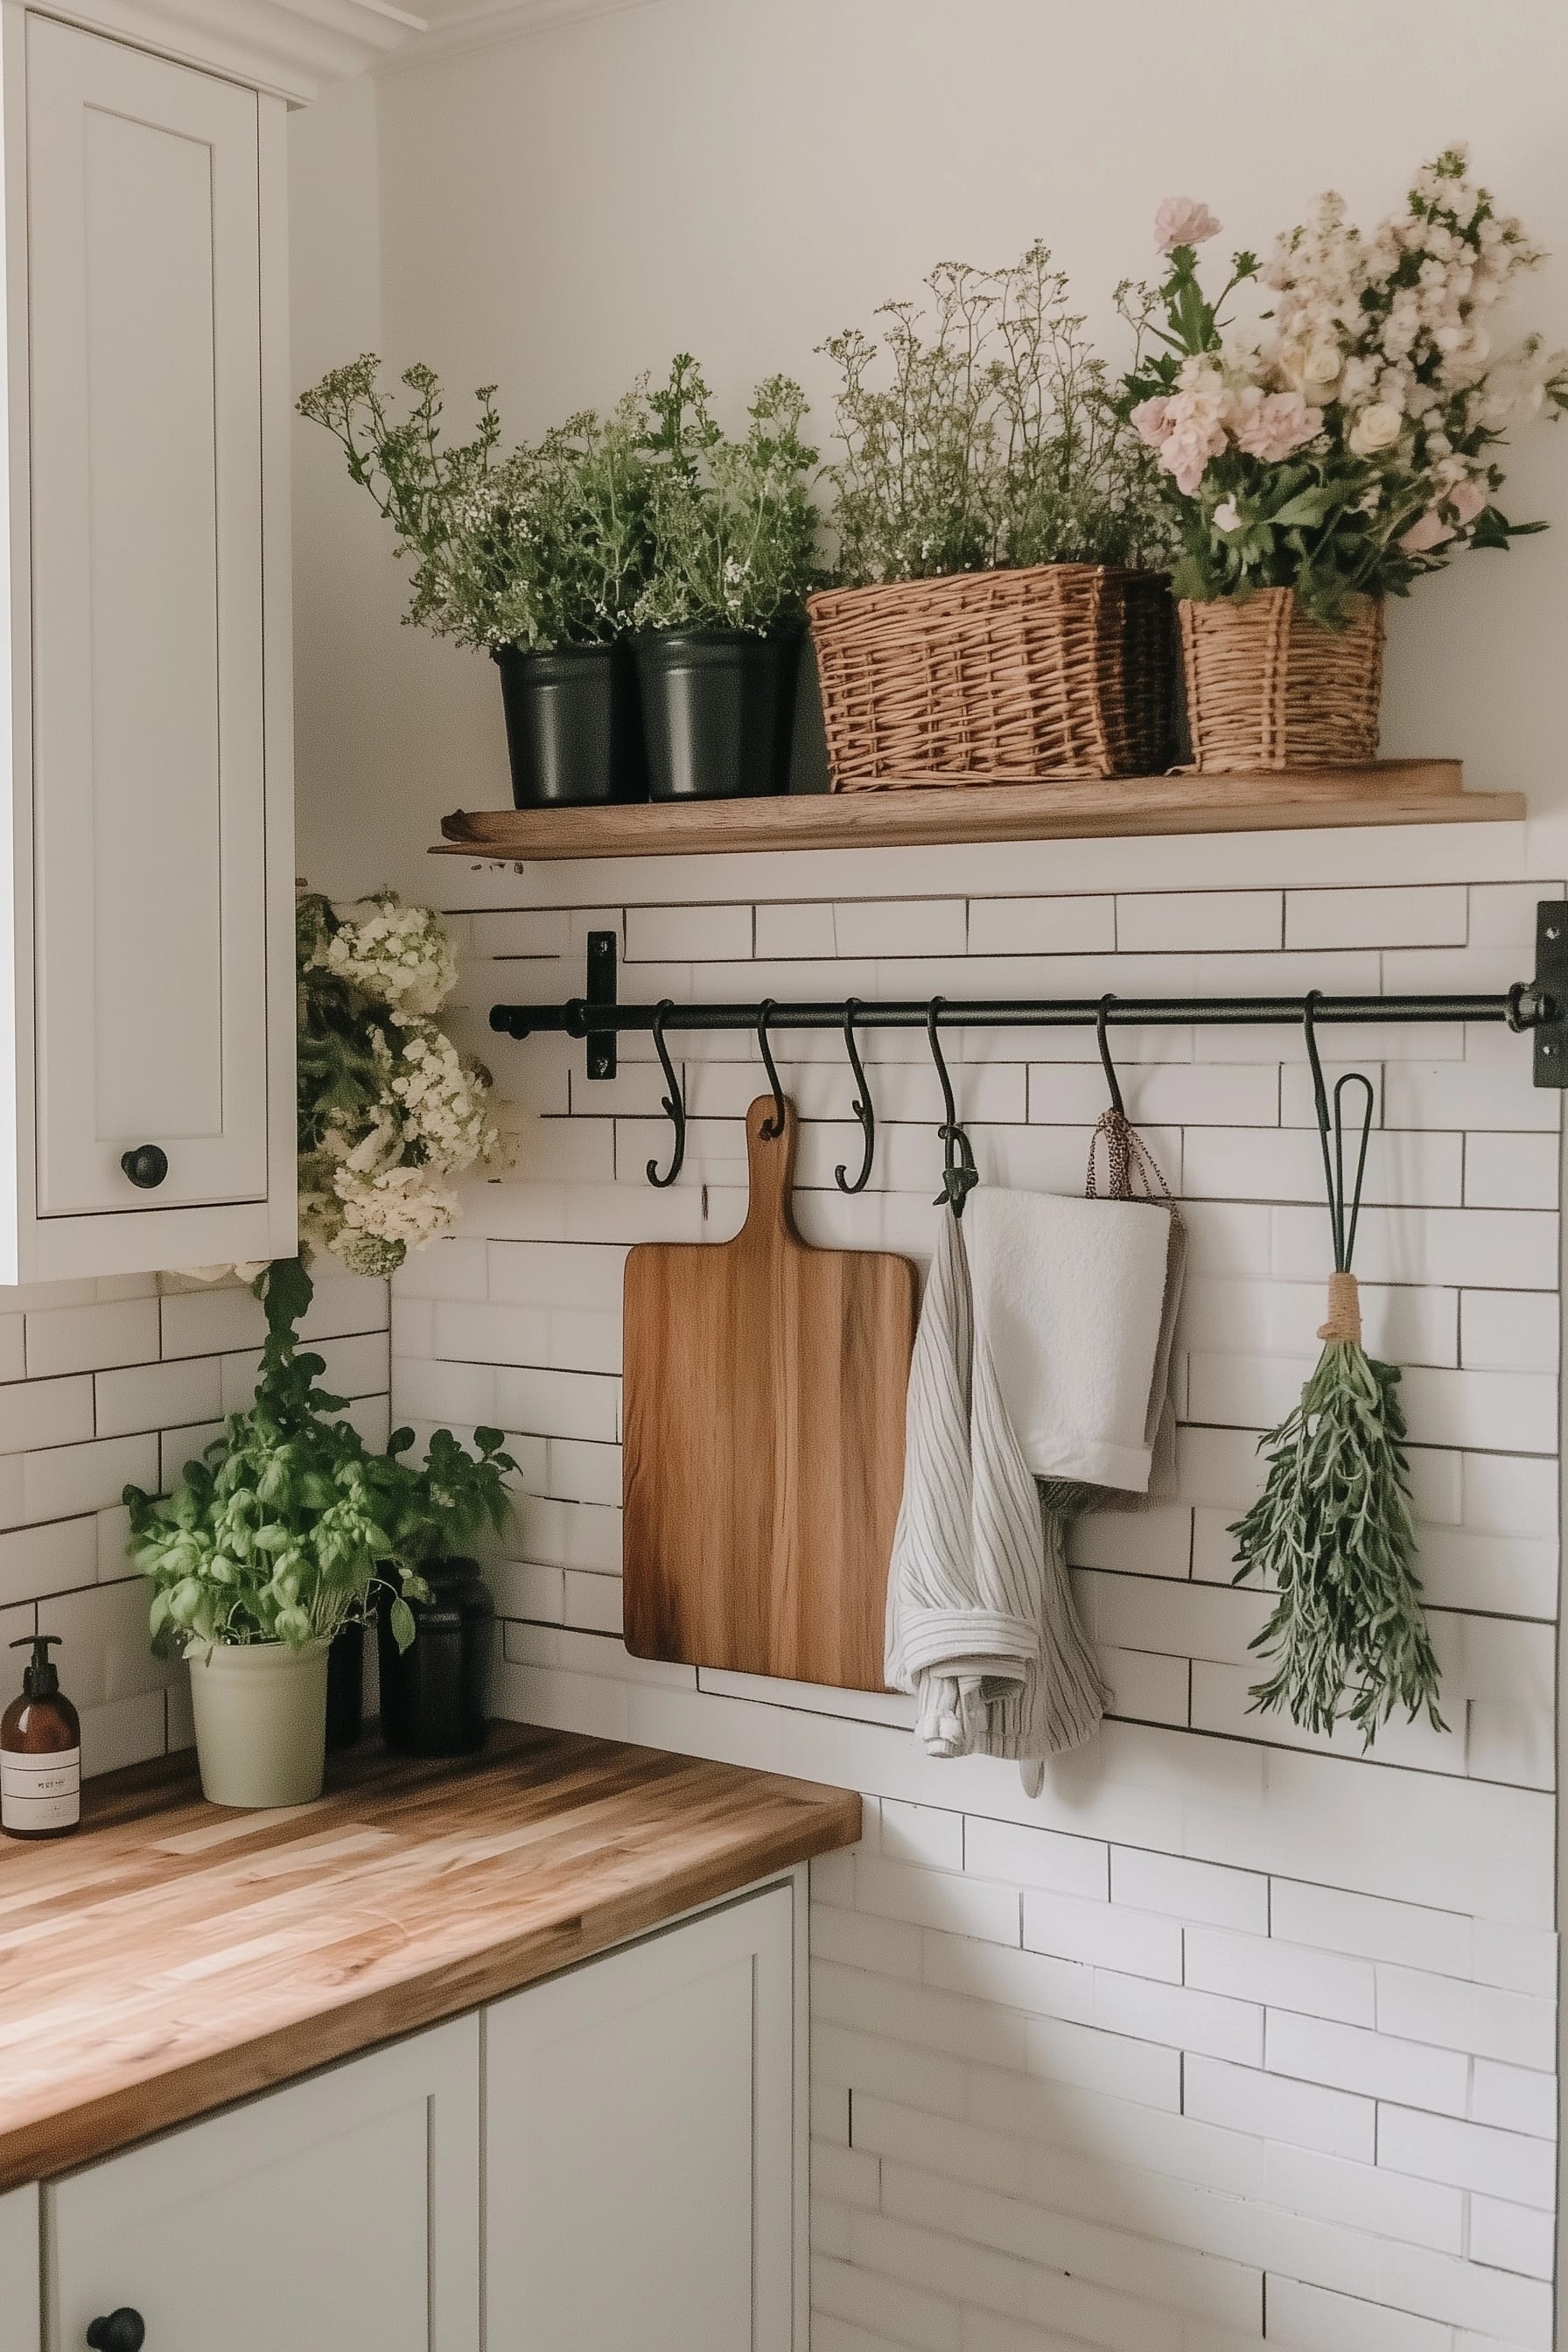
<point x="435" y="1688"/>
<point x="720" y="619"/>
<point x="537" y="557"/>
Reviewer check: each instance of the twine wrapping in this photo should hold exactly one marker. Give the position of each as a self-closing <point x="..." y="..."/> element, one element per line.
<point x="1133" y="1172"/>
<point x="1054" y="670"/>
<point x="1344" y="1310"/>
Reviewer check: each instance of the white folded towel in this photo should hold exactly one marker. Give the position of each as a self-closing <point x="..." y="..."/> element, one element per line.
<point x="980" y="1623"/>
<point x="1077" y="1301"/>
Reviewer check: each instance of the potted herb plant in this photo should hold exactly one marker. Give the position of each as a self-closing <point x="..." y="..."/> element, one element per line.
<point x="1332" y="463"/>
<point x="537" y="557"/>
<point x="719" y="620"/>
<point x="269" y="1544"/>
<point x="1001" y="609"/>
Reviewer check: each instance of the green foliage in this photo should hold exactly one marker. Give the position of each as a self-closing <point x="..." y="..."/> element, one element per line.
<point x="282" y="1528"/>
<point x="542" y="548"/>
<point x="997" y="440"/>
<point x="732" y="530"/>
<point x="1333" y="1532"/>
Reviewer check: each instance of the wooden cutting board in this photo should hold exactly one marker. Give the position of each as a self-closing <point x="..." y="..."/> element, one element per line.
<point x="764" y="1442"/>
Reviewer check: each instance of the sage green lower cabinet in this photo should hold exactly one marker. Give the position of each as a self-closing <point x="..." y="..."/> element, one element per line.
<point x="19" y="2315"/>
<point x="611" y="2160"/>
<point x="639" y="2145"/>
<point x="340" y="2213"/>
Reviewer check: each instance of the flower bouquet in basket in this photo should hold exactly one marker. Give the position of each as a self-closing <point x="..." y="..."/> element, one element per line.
<point x="1334" y="458"/>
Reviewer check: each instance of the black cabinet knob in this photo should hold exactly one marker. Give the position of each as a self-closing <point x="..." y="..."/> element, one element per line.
<point x="123" y="2330"/>
<point x="146" y="1166"/>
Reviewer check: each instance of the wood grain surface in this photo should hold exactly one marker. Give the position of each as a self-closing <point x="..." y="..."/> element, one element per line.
<point x="764" y="1385"/>
<point x="174" y="1956"/>
<point x="1390" y="791"/>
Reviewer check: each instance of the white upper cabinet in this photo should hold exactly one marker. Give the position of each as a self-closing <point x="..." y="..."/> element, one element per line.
<point x="151" y="774"/>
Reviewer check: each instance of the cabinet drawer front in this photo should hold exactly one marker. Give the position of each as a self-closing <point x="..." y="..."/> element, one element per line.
<point x="145" y="415"/>
<point x="638" y="2133"/>
<point x="341" y="2213"/>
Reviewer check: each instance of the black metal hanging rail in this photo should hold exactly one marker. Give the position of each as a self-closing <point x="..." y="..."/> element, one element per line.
<point x="1539" y="1005"/>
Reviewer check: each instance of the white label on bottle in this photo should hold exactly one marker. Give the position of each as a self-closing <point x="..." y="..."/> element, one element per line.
<point x="41" y="1792"/>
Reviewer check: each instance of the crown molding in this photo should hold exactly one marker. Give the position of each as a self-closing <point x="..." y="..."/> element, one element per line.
<point x="484" y="23"/>
<point x="290" y="48"/>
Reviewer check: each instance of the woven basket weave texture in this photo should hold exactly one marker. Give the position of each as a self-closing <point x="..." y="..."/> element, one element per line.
<point x="1268" y="688"/>
<point x="1059" y="669"/>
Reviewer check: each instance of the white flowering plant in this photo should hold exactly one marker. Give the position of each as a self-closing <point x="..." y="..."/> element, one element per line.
<point x="732" y="532"/>
<point x="983" y="431"/>
<point x="389" y="1110"/>
<point x="1354" y="445"/>
<point x="542" y="549"/>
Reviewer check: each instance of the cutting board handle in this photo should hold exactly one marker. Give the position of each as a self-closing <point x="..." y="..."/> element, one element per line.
<point x="771" y="1166"/>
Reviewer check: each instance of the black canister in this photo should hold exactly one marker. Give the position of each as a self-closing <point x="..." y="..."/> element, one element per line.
<point x="345" y="1686"/>
<point x="434" y="1695"/>
<point x="574" y="727"/>
<point x="718" y="712"/>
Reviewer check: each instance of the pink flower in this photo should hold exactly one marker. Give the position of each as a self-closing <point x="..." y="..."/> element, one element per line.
<point x="1427" y="531"/>
<point x="1275" y="425"/>
<point x="1465" y="501"/>
<point x="1150" y="420"/>
<point x="1182" y="220"/>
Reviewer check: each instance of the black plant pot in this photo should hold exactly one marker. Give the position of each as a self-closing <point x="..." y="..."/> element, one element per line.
<point x="718" y="712"/>
<point x="345" y="1687"/>
<point x="573" y="730"/>
<point x="435" y="1695"/>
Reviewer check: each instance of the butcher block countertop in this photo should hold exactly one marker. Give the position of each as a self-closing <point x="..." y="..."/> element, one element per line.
<point x="174" y="1956"/>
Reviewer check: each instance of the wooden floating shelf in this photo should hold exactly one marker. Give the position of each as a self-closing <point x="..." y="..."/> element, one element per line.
<point x="1390" y="791"/>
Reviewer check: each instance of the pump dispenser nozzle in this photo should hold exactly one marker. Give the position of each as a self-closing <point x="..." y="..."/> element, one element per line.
<point x="41" y="1679"/>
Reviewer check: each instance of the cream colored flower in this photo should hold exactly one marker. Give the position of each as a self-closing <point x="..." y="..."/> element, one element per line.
<point x="1377" y="427"/>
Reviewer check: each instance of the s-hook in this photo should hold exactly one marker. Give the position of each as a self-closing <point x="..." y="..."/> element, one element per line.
<point x="1112" y="1080"/>
<point x="959" y="1174"/>
<point x="864" y="1111"/>
<point x="1344" y="1231"/>
<point x="674" y="1106"/>
<point x="771" y="1129"/>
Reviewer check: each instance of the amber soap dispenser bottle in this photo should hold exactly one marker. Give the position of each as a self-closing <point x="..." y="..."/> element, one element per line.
<point x="40" y="1751"/>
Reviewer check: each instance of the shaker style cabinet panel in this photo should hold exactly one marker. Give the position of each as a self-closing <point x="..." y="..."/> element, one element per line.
<point x="152" y="858"/>
<point x="640" y="2145"/>
<point x="19" y="2270"/>
<point x="341" y="2213"/>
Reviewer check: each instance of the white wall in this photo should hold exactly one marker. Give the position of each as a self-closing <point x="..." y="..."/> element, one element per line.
<point x="742" y="177"/>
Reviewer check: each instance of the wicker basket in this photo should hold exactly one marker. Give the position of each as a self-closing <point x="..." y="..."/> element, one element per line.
<point x="1268" y="689"/>
<point x="1062" y="669"/>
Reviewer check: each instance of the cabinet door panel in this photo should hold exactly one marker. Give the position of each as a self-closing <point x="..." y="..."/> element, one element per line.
<point x="19" y="2270"/>
<point x="342" y="2213"/>
<point x="146" y="357"/>
<point x="639" y="2149"/>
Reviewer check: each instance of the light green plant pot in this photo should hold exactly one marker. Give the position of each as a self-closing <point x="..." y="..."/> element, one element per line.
<point x="261" y="1722"/>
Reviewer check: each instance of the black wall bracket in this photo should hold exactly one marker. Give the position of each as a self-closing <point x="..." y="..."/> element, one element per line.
<point x="1550" y="992"/>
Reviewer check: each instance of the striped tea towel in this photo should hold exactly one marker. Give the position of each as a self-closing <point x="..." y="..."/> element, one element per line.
<point x="981" y="1628"/>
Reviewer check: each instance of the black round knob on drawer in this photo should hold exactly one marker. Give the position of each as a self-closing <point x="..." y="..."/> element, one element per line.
<point x="146" y="1166"/>
<point x="123" y="2331"/>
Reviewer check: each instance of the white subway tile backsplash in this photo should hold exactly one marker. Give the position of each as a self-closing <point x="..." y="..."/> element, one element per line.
<point x="1272" y="2108"/>
<point x="1088" y="2069"/>
<point x="1350" y="2058"/>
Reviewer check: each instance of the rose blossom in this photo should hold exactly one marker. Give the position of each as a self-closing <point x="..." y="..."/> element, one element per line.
<point x="1182" y="220"/>
<point x="1275" y="425"/>
<point x="1427" y="531"/>
<point x="1375" y="428"/>
<point x="1150" y="420"/>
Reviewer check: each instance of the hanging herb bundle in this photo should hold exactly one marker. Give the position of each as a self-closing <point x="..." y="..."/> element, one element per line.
<point x="1332" y="1529"/>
